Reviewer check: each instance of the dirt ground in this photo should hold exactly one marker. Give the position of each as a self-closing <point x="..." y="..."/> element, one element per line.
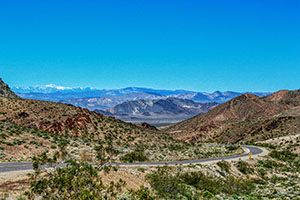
<point x="14" y="184"/>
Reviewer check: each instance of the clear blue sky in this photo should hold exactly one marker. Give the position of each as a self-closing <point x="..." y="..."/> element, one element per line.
<point x="203" y="45"/>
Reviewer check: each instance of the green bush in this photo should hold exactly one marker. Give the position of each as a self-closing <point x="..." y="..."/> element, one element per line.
<point x="134" y="156"/>
<point x="269" y="164"/>
<point x="169" y="186"/>
<point x="141" y="169"/>
<point x="244" y="167"/>
<point x="166" y="185"/>
<point x="271" y="146"/>
<point x="207" y="194"/>
<point x="284" y="155"/>
<point x="9" y="144"/>
<point x="232" y="147"/>
<point x="224" y="165"/>
<point x="34" y="142"/>
<point x="143" y="194"/>
<point x="75" y="181"/>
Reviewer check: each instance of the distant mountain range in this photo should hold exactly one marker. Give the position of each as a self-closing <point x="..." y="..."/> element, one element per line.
<point x="111" y="102"/>
<point x="59" y="93"/>
<point x="158" y="111"/>
<point x="108" y="102"/>
<point x="50" y="88"/>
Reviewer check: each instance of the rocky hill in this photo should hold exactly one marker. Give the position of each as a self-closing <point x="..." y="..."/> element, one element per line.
<point x="285" y="98"/>
<point x="245" y="117"/>
<point x="61" y="118"/>
<point x="44" y="119"/>
<point x="5" y="91"/>
<point x="155" y="111"/>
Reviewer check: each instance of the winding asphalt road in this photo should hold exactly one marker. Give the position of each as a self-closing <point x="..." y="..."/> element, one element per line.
<point x="9" y="167"/>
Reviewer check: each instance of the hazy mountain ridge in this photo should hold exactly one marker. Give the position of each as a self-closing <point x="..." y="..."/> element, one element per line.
<point x="161" y="106"/>
<point x="102" y="100"/>
<point x="59" y="93"/>
<point x="50" y="88"/>
<point x="157" y="111"/>
<point x="84" y="96"/>
<point x="219" y="97"/>
<point x="108" y="102"/>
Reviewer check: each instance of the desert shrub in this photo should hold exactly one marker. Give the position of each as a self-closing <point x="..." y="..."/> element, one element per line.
<point x="106" y="169"/>
<point x="169" y="186"/>
<point x="224" y="165"/>
<point x="271" y="146"/>
<point x="284" y="155"/>
<point x="141" y="169"/>
<point x="143" y="193"/>
<point x="18" y="142"/>
<point x="269" y="164"/>
<point x="78" y="180"/>
<point x="3" y="136"/>
<point x="98" y="148"/>
<point x="134" y="156"/>
<point x="9" y="143"/>
<point x="166" y="185"/>
<point x="207" y="194"/>
<point x="21" y="198"/>
<point x="111" y="150"/>
<point x="230" y="185"/>
<point x="232" y="147"/>
<point x="244" y="167"/>
<point x="262" y="172"/>
<point x="34" y="142"/>
<point x="85" y="156"/>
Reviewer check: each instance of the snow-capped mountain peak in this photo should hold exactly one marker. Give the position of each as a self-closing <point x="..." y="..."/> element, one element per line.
<point x="57" y="87"/>
<point x="50" y="88"/>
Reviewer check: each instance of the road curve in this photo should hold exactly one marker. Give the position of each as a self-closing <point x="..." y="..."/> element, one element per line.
<point x="9" y="167"/>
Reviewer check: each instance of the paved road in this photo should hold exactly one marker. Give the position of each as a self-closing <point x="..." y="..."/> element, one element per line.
<point x="8" y="167"/>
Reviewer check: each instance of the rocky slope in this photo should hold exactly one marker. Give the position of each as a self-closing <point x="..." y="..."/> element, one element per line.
<point x="246" y="117"/>
<point x="5" y="91"/>
<point x="62" y="119"/>
<point x="285" y="98"/>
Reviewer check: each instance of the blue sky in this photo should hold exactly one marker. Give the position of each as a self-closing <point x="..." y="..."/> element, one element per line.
<point x="188" y="44"/>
